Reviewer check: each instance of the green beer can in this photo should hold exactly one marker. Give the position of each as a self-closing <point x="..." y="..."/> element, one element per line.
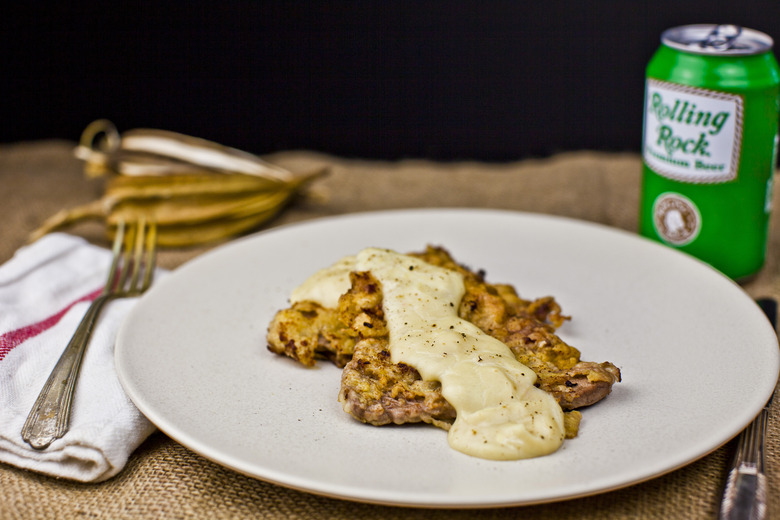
<point x="709" y="145"/>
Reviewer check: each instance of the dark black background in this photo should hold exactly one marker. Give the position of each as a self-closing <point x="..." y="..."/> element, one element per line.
<point x="443" y="80"/>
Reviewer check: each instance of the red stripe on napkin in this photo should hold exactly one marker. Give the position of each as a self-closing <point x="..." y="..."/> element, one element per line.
<point x="14" y="338"/>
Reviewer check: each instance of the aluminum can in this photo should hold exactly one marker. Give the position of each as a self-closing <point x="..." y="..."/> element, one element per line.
<point x="709" y="145"/>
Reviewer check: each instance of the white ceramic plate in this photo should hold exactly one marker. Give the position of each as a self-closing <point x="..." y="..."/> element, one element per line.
<point x="698" y="359"/>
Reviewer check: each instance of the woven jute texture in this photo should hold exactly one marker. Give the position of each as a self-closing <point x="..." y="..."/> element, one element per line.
<point x="165" y="480"/>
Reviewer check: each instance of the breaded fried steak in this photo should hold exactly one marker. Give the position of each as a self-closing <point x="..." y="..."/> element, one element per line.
<point x="354" y="334"/>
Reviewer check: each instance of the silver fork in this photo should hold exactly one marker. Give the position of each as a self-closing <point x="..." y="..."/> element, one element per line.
<point x="130" y="274"/>
<point x="745" y="494"/>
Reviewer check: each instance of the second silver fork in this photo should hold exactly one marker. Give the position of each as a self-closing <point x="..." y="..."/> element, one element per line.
<point x="746" y="493"/>
<point x="130" y="274"/>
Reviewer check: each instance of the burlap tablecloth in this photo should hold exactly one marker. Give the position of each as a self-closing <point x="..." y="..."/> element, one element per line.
<point x="165" y="480"/>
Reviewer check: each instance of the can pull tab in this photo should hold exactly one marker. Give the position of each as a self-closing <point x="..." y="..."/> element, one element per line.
<point x="722" y="37"/>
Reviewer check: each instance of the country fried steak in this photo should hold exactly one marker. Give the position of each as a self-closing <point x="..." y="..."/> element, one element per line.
<point x="377" y="391"/>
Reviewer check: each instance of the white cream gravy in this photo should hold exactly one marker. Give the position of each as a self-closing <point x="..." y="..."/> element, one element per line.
<point x="500" y="414"/>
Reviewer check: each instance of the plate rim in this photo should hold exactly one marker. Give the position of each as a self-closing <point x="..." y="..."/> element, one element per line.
<point x="294" y="483"/>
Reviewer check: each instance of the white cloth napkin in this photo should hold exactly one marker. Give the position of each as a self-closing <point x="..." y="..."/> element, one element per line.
<point x="45" y="290"/>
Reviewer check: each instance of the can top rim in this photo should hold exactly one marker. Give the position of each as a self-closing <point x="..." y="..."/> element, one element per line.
<point x="717" y="40"/>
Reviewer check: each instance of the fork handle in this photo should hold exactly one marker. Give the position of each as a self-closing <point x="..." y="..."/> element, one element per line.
<point x="745" y="496"/>
<point x="49" y="417"/>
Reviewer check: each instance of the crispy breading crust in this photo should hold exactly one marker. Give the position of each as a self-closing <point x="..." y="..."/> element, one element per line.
<point x="307" y="331"/>
<point x="376" y="391"/>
